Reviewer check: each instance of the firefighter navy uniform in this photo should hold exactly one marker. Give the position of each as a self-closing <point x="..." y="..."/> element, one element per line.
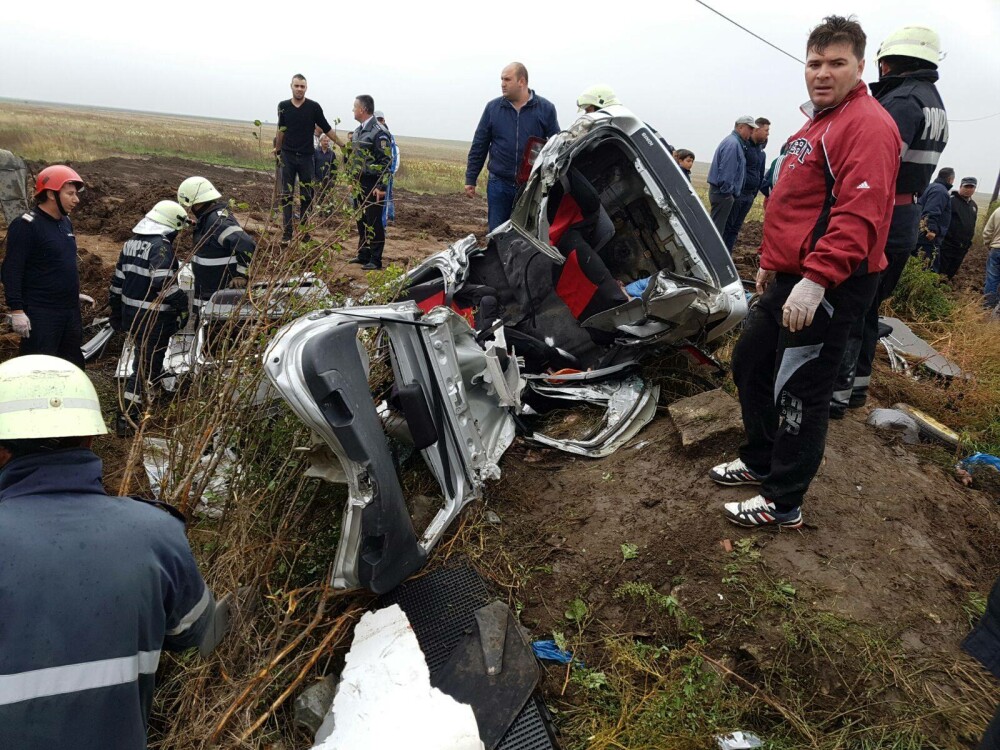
<point x="222" y="252"/>
<point x="147" y="304"/>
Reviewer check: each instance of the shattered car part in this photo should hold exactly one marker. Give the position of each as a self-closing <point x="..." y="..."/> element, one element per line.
<point x="218" y="461"/>
<point x="902" y="342"/>
<point x="386" y="675"/>
<point x="450" y="394"/>
<point x="605" y="206"/>
<point x="631" y="405"/>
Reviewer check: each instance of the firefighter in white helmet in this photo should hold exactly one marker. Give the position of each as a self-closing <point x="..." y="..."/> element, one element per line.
<point x="596" y="97"/>
<point x="222" y="249"/>
<point x="907" y="64"/>
<point x="146" y="302"/>
<point x="92" y="587"/>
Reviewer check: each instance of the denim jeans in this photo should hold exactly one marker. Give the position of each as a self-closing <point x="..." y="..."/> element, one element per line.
<point x="992" y="277"/>
<point x="500" y="196"/>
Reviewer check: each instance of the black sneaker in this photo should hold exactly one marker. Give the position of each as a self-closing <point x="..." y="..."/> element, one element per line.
<point x="369" y="266"/>
<point x="857" y="400"/>
<point x="759" y="511"/>
<point x="359" y="260"/>
<point x="734" y="473"/>
<point x="123" y="427"/>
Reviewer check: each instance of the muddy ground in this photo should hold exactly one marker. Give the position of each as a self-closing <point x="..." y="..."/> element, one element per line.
<point x="890" y="537"/>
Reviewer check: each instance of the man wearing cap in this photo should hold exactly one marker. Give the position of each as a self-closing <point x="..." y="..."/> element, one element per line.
<point x="508" y="122"/>
<point x="961" y="228"/>
<point x="40" y="274"/>
<point x="146" y="302"/>
<point x="907" y="65"/>
<point x="728" y="171"/>
<point x="755" y="169"/>
<point x="389" y="209"/>
<point x="92" y="588"/>
<point x="298" y="118"/>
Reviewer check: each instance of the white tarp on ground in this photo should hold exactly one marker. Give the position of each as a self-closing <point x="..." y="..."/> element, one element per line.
<point x="385" y="698"/>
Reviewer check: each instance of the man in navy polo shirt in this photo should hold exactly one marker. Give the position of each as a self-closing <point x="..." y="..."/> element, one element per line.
<point x="40" y="275"/>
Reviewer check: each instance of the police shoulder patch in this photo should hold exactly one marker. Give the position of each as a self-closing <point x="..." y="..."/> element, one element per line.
<point x="28" y="216"/>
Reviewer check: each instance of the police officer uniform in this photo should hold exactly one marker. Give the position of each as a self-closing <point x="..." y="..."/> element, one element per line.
<point x="371" y="161"/>
<point x="41" y="277"/>
<point x="222" y="252"/>
<point x="147" y="304"/>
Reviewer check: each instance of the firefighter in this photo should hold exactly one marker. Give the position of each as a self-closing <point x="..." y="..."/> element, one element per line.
<point x="40" y="274"/>
<point x="222" y="249"/>
<point x="92" y="587"/>
<point x="907" y="63"/>
<point x="146" y="302"/>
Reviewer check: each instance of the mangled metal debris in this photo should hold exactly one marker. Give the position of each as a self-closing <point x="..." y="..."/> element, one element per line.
<point x="487" y="336"/>
<point x="902" y="345"/>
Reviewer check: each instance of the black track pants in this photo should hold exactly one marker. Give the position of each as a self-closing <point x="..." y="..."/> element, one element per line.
<point x="57" y="331"/>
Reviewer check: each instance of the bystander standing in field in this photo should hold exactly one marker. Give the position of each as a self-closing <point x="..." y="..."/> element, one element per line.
<point x="685" y="159"/>
<point x="728" y="171"/>
<point x="756" y="165"/>
<point x="389" y="209"/>
<point x="991" y="241"/>
<point x="40" y="275"/>
<point x="325" y="172"/>
<point x="298" y="118"/>
<point x="961" y="228"/>
<point x="935" y="215"/>
<point x="371" y="159"/>
<point x="502" y="134"/>
<point x="907" y="63"/>
<point x="818" y="274"/>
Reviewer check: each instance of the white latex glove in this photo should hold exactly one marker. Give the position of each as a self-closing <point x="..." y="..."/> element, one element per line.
<point x="764" y="279"/>
<point x="21" y="325"/>
<point x="88" y="299"/>
<point x="799" y="308"/>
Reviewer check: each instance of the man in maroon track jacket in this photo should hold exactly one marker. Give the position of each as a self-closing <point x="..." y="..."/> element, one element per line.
<point x="823" y="247"/>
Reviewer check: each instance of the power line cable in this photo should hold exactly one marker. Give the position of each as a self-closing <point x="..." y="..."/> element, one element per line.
<point x="758" y="36"/>
<point x="976" y="119"/>
<point x="789" y="54"/>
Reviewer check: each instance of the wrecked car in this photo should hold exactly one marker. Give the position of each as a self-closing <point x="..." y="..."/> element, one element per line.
<point x="609" y="255"/>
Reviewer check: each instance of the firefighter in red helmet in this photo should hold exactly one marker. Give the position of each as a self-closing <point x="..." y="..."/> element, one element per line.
<point x="40" y="275"/>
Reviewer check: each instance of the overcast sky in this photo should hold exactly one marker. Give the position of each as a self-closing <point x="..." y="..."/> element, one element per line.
<point x="433" y="65"/>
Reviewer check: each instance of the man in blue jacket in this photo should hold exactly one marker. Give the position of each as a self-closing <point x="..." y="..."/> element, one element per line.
<point x="503" y="132"/>
<point x="755" y="169"/>
<point x="92" y="587"/>
<point x="935" y="214"/>
<point x="728" y="171"/>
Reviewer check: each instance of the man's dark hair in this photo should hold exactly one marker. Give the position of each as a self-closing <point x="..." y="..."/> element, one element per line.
<point x="838" y="30"/>
<point x="520" y="71"/>
<point x="367" y="102"/>
<point x="682" y="153"/>
<point x="27" y="446"/>
<point x="298" y="77"/>
<point x="946" y="173"/>
<point x="762" y="121"/>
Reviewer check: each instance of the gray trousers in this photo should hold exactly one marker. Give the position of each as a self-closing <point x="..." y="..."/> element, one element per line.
<point x="722" y="206"/>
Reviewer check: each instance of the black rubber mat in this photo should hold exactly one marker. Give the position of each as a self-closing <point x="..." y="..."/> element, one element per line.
<point x="441" y="607"/>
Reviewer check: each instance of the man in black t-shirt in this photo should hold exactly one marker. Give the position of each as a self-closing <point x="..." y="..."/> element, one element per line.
<point x="298" y="119"/>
